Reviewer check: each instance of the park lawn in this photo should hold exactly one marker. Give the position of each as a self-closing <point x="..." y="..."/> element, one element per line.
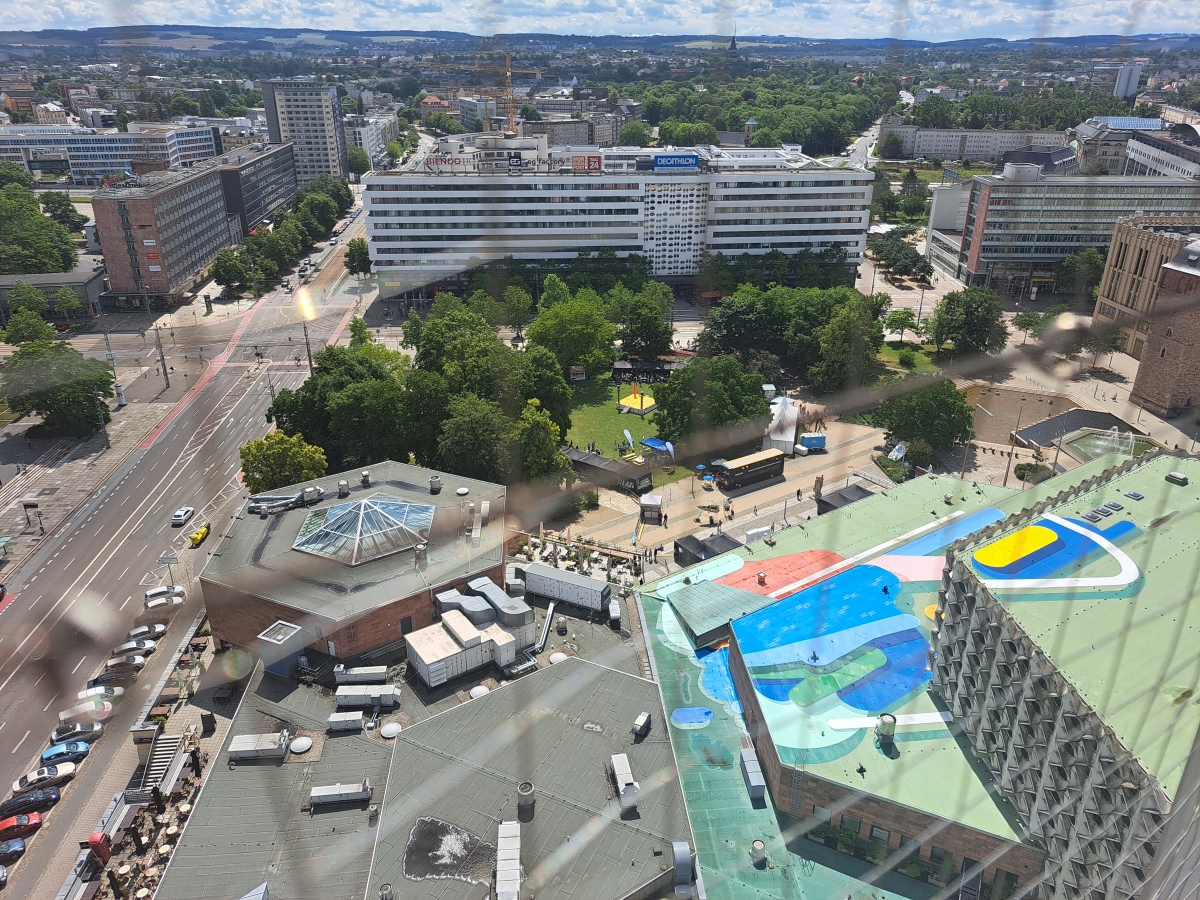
<point x="927" y="176"/>
<point x="927" y="360"/>
<point x="6" y="415"/>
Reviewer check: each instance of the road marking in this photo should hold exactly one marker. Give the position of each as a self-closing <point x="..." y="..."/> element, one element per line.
<point x="33" y="579"/>
<point x="122" y="575"/>
<point x="39" y="681"/>
<point x="122" y="606"/>
<point x="77" y="665"/>
<point x="19" y="743"/>
<point x="102" y="599"/>
<point x="52" y="699"/>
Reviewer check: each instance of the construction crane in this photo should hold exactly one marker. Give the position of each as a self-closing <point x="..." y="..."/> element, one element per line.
<point x="508" y="71"/>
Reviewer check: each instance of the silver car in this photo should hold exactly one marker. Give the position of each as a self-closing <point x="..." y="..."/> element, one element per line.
<point x="138" y="648"/>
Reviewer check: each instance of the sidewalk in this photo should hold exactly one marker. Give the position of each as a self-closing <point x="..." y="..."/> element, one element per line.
<point x="60" y="473"/>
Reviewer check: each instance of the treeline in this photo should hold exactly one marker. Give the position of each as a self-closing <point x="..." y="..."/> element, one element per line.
<point x="31" y="242"/>
<point x="804" y="269"/>
<point x="812" y="104"/>
<point x="1047" y="110"/>
<point x="258" y="260"/>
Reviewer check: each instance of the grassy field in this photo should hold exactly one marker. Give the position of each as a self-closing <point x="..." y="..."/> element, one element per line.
<point x="927" y="361"/>
<point x="927" y="176"/>
<point x="6" y="414"/>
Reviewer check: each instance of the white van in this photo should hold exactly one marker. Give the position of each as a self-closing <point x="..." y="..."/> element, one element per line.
<point x="93" y="710"/>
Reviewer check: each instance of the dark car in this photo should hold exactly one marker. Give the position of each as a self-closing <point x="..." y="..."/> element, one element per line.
<point x="11" y="851"/>
<point x="32" y="801"/>
<point x="80" y="731"/>
<point x="3" y="877"/>
<point x="113" y="677"/>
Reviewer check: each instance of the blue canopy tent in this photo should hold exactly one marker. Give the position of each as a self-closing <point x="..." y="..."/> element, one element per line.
<point x="659" y="445"/>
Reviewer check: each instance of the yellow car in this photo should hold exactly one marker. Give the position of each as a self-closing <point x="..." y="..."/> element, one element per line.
<point x="197" y="537"/>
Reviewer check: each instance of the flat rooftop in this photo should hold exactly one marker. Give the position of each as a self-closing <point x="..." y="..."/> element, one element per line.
<point x="1118" y="618"/>
<point x="343" y="579"/>
<point x="454" y="778"/>
<point x="249" y="824"/>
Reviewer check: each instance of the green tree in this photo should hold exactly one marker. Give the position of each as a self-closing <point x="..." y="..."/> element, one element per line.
<point x="279" y="460"/>
<point x="54" y="380"/>
<point x="367" y="418"/>
<point x="554" y="292"/>
<point x="517" y="307"/>
<point x="358" y="257"/>
<point x="891" y="147"/>
<point x="538" y="439"/>
<point x="910" y="185"/>
<point x="29" y="241"/>
<point x="707" y="395"/>
<point x="412" y="329"/>
<point x="530" y="113"/>
<point x="182" y="106"/>
<point x="913" y="206"/>
<point x="644" y="331"/>
<point x="66" y="301"/>
<point x="972" y="319"/>
<point x="58" y="206"/>
<point x="901" y="320"/>
<point x="394" y="150"/>
<point x="360" y="333"/>
<point x="634" y="134"/>
<point x="1027" y="320"/>
<point x="938" y="413"/>
<point x="360" y="162"/>
<point x="321" y="207"/>
<point x="577" y="333"/>
<point x="536" y="375"/>
<point x="426" y="405"/>
<point x="477" y="440"/>
<point x="228" y="269"/>
<point x="23" y="295"/>
<point x="25" y="326"/>
<point x="14" y="173"/>
<point x="848" y="345"/>
<point x="1081" y="270"/>
<point x="443" y="123"/>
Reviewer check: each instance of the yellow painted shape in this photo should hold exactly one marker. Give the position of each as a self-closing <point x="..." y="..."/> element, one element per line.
<point x="931" y="612"/>
<point x="1008" y="550"/>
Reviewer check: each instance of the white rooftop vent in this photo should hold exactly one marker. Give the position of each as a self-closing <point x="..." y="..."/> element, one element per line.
<point x="479" y="691"/>
<point x="508" y="861"/>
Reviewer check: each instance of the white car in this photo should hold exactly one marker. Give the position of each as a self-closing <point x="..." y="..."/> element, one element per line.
<point x="182" y="515"/>
<point x="47" y="776"/>
<point x="142" y="648"/>
<point x="125" y="664"/>
<point x="104" y="692"/>
<point x="163" y="603"/>
<point x="147" y="632"/>
<point x="165" y="590"/>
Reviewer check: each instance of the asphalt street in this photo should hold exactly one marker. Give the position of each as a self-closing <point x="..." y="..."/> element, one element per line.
<point x="81" y="591"/>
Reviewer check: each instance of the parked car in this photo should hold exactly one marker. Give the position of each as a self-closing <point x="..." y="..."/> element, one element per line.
<point x="126" y="664"/>
<point x="19" y="826"/>
<point x="31" y="801"/>
<point x="71" y="751"/>
<point x="47" y="776"/>
<point x="104" y="692"/>
<point x="3" y="877"/>
<point x="163" y="604"/>
<point x="182" y="515"/>
<point x="142" y="648"/>
<point x="165" y="590"/>
<point x="113" y="678"/>
<point x="147" y="632"/>
<point x="11" y="851"/>
<point x="81" y="731"/>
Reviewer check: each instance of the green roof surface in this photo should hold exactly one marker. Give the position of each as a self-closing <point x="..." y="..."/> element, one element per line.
<point x="1131" y="650"/>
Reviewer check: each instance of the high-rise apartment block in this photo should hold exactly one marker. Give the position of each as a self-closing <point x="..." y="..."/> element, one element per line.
<point x="1129" y="288"/>
<point x="372" y="134"/>
<point x="307" y="113"/>
<point x="158" y="232"/>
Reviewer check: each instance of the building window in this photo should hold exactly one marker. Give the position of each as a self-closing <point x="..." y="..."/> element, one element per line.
<point x="406" y="625"/>
<point x="880" y="834"/>
<point x="1168" y="332"/>
<point x="851" y="824"/>
<point x="822" y="815"/>
<point x="1162" y="354"/>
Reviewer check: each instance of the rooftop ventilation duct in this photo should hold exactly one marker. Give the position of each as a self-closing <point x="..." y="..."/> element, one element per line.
<point x="366" y="478"/>
<point x="435" y="484"/>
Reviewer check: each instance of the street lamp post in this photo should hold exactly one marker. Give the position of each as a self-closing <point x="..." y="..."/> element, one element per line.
<point x="1012" y="444"/>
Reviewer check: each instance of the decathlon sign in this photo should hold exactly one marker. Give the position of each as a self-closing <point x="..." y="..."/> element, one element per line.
<point x="676" y="161"/>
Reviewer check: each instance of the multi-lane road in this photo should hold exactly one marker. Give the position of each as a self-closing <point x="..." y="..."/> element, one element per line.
<point x="78" y="594"/>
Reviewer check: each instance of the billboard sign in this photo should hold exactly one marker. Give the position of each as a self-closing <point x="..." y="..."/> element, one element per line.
<point x="581" y="163"/>
<point x="676" y="161"/>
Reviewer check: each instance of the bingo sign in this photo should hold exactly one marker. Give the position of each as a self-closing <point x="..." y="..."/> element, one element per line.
<point x="666" y="162"/>
<point x="586" y="164"/>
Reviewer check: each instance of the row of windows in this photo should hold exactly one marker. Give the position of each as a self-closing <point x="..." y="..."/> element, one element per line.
<point x="807" y="220"/>
<point x="474" y="226"/>
<point x="457" y="241"/>
<point x="438" y="184"/>
<point x="494" y="213"/>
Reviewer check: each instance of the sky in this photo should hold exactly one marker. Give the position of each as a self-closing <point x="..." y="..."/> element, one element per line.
<point x="933" y="20"/>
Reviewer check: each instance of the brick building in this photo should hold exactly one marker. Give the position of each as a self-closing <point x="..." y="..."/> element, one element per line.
<point x="358" y="570"/>
<point x="1129" y="287"/>
<point x="159" y="231"/>
<point x="903" y="831"/>
<point x="1168" y="377"/>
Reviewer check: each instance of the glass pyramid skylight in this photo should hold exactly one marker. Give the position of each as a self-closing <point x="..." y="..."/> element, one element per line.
<point x="363" y="530"/>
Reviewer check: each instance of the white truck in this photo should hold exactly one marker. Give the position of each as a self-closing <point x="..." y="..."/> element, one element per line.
<point x="341" y="793"/>
<point x="259" y="746"/>
<point x="360" y="674"/>
<point x="384" y="696"/>
<point x="568" y="587"/>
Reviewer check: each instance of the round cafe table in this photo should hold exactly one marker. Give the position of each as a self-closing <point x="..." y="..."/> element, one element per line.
<point x="164" y="851"/>
<point x="172" y="834"/>
<point x="123" y="872"/>
<point x="184" y="810"/>
<point x="142" y="893"/>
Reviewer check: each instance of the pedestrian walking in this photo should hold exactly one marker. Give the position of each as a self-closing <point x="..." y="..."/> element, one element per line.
<point x="28" y="443"/>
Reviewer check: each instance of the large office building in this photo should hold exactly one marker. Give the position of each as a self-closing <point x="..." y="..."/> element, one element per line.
<point x="976" y="144"/>
<point x="94" y="153"/>
<point x="307" y="113"/>
<point x="372" y="134"/>
<point x="1012" y="231"/>
<point x="1168" y="376"/>
<point x="493" y="195"/>
<point x="1128" y="290"/>
<point x="159" y="231"/>
<point x="1149" y="154"/>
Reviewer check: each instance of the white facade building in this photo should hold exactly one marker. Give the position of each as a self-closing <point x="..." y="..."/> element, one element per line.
<point x="963" y="143"/>
<point x="1147" y="154"/>
<point x="1127" y="81"/>
<point x="366" y="134"/>
<point x="484" y="197"/>
<point x="309" y="114"/>
<point x="96" y="152"/>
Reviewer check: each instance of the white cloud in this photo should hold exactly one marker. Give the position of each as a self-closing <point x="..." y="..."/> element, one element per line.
<point x="934" y="20"/>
